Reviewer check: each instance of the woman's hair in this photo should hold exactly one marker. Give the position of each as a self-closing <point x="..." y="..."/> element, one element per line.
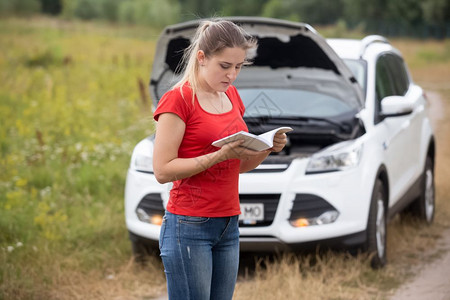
<point x="211" y="37"/>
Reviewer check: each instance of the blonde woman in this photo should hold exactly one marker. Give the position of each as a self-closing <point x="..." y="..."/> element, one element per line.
<point x="199" y="239"/>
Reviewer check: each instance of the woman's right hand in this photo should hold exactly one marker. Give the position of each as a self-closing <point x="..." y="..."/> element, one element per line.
<point x="234" y="150"/>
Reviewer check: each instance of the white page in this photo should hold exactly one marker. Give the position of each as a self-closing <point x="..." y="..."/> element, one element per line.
<point x="255" y="142"/>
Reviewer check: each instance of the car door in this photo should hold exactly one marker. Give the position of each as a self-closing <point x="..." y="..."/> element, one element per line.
<point x="399" y="139"/>
<point x="412" y="124"/>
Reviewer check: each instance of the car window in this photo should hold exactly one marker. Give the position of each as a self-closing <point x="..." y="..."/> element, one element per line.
<point x="384" y="85"/>
<point x="399" y="74"/>
<point x="383" y="80"/>
<point x="358" y="68"/>
<point x="291" y="102"/>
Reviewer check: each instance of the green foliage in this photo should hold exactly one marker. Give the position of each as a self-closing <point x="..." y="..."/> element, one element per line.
<point x="52" y="7"/>
<point x="422" y="18"/>
<point x="405" y="11"/>
<point x="193" y="9"/>
<point x="436" y="11"/>
<point x="243" y="7"/>
<point x="87" y="9"/>
<point x="109" y="9"/>
<point x="45" y="58"/>
<point x="70" y="115"/>
<point x="320" y="11"/>
<point x="157" y="13"/>
<point x="19" y="7"/>
<point x="281" y="9"/>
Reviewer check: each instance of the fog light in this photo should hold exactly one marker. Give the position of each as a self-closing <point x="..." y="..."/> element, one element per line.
<point x="325" y="218"/>
<point x="302" y="222"/>
<point x="156" y="219"/>
<point x="144" y="217"/>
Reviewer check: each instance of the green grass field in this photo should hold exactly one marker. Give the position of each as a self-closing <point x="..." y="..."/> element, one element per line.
<point x="71" y="111"/>
<point x="73" y="103"/>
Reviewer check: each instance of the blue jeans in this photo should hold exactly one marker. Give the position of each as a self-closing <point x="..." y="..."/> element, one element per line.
<point x="200" y="256"/>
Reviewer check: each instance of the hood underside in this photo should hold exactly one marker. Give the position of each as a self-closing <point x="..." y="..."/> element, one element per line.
<point x="289" y="55"/>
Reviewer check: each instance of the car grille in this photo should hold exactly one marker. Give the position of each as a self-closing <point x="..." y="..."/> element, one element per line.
<point x="309" y="206"/>
<point x="152" y="204"/>
<point x="270" y="202"/>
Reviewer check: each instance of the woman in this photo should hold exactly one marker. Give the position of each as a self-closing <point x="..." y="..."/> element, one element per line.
<point x="199" y="239"/>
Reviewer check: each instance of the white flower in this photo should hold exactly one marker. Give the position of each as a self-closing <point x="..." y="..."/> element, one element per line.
<point x="19" y="244"/>
<point x="10" y="248"/>
<point x="46" y="191"/>
<point x="84" y="156"/>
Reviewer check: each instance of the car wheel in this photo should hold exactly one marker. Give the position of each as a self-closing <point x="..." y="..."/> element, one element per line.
<point x="424" y="206"/>
<point x="140" y="248"/>
<point x="376" y="226"/>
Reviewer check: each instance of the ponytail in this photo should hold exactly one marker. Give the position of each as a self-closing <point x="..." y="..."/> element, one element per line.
<point x="211" y="37"/>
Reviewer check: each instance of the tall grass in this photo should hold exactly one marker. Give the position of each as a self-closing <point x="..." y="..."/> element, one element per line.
<point x="71" y="111"/>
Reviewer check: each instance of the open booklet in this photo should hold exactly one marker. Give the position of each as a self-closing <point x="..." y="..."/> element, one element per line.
<point x="254" y="142"/>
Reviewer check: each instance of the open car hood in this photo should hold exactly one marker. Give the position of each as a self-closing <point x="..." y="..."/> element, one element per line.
<point x="289" y="55"/>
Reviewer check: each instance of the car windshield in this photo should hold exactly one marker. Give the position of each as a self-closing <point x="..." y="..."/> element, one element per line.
<point x="358" y="68"/>
<point x="291" y="102"/>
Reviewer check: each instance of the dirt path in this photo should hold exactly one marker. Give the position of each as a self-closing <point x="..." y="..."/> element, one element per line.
<point x="433" y="279"/>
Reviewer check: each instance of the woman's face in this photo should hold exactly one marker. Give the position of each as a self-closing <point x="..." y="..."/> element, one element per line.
<point x="218" y="71"/>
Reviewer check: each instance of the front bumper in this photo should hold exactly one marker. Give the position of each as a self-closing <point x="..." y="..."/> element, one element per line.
<point x="349" y="192"/>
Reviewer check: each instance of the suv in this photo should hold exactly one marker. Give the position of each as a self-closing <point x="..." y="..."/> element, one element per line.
<point x="361" y="151"/>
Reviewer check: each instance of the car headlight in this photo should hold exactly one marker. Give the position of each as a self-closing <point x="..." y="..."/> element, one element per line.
<point x="143" y="163"/>
<point x="339" y="157"/>
<point x="142" y="158"/>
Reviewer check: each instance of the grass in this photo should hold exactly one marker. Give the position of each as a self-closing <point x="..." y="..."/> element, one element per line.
<point x="71" y="111"/>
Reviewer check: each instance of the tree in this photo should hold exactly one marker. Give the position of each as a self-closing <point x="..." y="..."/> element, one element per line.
<point x="281" y="10"/>
<point x="52" y="7"/>
<point x="436" y="11"/>
<point x="320" y="11"/>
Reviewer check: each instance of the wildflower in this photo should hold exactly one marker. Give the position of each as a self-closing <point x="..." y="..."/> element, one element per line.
<point x="45" y="191"/>
<point x="10" y="248"/>
<point x="84" y="156"/>
<point x="21" y="182"/>
<point x="19" y="244"/>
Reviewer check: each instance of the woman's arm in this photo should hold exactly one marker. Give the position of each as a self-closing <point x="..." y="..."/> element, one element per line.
<point x="169" y="167"/>
<point x="279" y="141"/>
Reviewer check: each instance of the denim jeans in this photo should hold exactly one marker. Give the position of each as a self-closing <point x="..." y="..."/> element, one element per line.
<point x="200" y="256"/>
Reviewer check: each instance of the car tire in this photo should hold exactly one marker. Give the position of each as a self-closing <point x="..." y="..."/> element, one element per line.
<point x="376" y="226"/>
<point x="140" y="248"/>
<point x="423" y="207"/>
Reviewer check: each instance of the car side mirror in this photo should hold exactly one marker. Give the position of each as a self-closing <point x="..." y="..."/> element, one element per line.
<point x="396" y="106"/>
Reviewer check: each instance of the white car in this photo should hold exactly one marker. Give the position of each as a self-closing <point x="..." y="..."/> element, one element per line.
<point x="361" y="151"/>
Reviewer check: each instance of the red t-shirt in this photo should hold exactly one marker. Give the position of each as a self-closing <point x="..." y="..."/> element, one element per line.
<point x="213" y="192"/>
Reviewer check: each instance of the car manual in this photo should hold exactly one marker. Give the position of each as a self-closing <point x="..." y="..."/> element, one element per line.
<point x="251" y="141"/>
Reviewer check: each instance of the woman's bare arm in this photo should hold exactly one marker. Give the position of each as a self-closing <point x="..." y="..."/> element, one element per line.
<point x="169" y="167"/>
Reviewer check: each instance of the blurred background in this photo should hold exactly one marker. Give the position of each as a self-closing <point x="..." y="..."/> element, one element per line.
<point x="74" y="101"/>
<point x="416" y="18"/>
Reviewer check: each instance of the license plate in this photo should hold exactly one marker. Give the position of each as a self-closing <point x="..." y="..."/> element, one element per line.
<point x="251" y="213"/>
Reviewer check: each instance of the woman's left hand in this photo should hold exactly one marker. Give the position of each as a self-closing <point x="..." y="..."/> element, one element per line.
<point x="279" y="141"/>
